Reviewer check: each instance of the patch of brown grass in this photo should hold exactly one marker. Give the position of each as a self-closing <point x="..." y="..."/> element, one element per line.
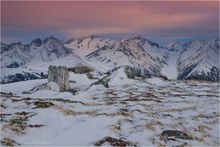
<point x="9" y="142"/>
<point x="158" y="123"/>
<point x="150" y="126"/>
<point x="116" y="128"/>
<point x="17" y="125"/>
<point x="17" y="129"/>
<point x="93" y="112"/>
<point x="65" y="110"/>
<point x="114" y="142"/>
<point x="179" y="110"/>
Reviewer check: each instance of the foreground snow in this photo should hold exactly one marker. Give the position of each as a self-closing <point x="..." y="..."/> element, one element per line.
<point x="136" y="111"/>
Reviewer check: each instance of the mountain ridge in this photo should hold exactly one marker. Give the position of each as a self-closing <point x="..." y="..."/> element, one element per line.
<point x="176" y="60"/>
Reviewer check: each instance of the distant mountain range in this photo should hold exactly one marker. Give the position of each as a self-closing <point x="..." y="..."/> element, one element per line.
<point x="197" y="60"/>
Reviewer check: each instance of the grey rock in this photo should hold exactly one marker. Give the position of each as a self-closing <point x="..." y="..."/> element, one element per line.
<point x="169" y="134"/>
<point x="102" y="82"/>
<point x="81" y="69"/>
<point x="137" y="73"/>
<point x="132" y="72"/>
<point x="60" y="75"/>
<point x="90" y="76"/>
<point x="43" y="86"/>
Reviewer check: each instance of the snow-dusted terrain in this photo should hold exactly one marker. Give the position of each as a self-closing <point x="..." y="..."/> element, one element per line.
<point x="132" y="112"/>
<point x="129" y="92"/>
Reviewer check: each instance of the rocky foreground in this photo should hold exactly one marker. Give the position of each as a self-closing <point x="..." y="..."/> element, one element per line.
<point x="154" y="112"/>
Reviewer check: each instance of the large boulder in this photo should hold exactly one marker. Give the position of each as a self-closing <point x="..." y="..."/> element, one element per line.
<point x="132" y="72"/>
<point x="137" y="73"/>
<point x="59" y="75"/>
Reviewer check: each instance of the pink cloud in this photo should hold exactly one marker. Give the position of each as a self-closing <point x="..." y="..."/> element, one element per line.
<point x="78" y="18"/>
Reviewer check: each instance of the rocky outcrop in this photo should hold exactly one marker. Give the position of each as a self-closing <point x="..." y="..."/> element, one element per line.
<point x="114" y="142"/>
<point x="81" y="69"/>
<point x="37" y="42"/>
<point x="102" y="82"/>
<point x="174" y="134"/>
<point x="132" y="72"/>
<point x="137" y="73"/>
<point x="59" y="75"/>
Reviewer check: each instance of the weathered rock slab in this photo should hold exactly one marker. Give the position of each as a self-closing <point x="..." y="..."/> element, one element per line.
<point x="59" y="75"/>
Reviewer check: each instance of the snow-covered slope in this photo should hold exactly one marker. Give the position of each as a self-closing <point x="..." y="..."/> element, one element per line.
<point x="173" y="52"/>
<point x="48" y="50"/>
<point x="199" y="60"/>
<point x="134" y="113"/>
<point x="136" y="52"/>
<point x="37" y="70"/>
<point x="14" y="55"/>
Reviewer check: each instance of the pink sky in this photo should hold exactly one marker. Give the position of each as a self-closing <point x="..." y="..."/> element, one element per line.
<point x="156" y="19"/>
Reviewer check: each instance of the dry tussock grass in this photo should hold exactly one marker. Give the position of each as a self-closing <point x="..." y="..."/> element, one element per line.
<point x="150" y="126"/>
<point x="116" y="128"/>
<point x="9" y="142"/>
<point x="17" y="129"/>
<point x="65" y="110"/>
<point x="179" y="110"/>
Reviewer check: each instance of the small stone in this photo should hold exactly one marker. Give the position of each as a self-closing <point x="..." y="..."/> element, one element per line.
<point x="169" y="134"/>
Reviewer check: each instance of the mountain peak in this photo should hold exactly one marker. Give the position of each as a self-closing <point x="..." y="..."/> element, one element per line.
<point x="3" y="44"/>
<point x="174" y="45"/>
<point x="141" y="40"/>
<point x="37" y="42"/>
<point x="138" y="38"/>
<point x="51" y="38"/>
<point x="92" y="36"/>
<point x="70" y="40"/>
<point x="16" y="44"/>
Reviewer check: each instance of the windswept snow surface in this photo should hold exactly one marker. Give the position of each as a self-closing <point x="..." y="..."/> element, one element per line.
<point x="135" y="111"/>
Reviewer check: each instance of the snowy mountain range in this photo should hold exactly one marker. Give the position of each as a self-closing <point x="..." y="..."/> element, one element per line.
<point x="106" y="54"/>
<point x="21" y="62"/>
<point x="199" y="60"/>
<point x="17" y="54"/>
<point x="194" y="60"/>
